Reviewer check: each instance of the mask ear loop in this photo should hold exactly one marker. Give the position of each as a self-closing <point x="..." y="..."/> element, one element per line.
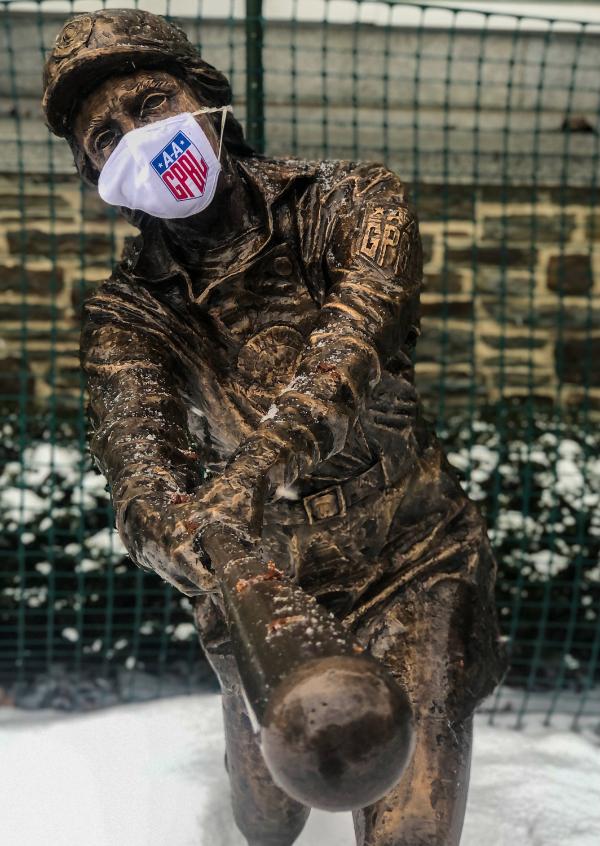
<point x="211" y="110"/>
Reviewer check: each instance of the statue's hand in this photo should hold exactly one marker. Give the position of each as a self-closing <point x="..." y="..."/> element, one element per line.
<point x="169" y="534"/>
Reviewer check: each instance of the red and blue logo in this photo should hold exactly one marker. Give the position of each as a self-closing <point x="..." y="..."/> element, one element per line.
<point x="181" y="167"/>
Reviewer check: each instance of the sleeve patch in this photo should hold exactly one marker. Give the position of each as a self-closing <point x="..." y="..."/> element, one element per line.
<point x="388" y="238"/>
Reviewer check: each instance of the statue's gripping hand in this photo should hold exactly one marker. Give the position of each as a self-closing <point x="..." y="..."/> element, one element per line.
<point x="173" y="525"/>
<point x="141" y="442"/>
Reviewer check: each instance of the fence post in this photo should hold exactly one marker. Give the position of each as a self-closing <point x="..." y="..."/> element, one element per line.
<point x="255" y="117"/>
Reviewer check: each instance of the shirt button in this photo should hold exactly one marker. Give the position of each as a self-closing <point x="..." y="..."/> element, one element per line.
<point x="282" y="266"/>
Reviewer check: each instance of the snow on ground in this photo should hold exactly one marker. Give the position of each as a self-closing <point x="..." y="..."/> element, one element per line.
<point x="152" y="774"/>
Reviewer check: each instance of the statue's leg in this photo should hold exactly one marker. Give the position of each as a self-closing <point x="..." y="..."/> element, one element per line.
<point x="265" y="815"/>
<point x="423" y="639"/>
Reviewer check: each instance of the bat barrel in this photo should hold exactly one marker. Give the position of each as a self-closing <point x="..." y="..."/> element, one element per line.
<point x="337" y="733"/>
<point x="335" y="727"/>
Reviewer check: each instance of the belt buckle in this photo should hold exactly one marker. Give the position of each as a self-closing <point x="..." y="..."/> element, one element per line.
<point x="321" y="505"/>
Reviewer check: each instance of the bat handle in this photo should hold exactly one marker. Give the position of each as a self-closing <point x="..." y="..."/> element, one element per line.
<point x="224" y="549"/>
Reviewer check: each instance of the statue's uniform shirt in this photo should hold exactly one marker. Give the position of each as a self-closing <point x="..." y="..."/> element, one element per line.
<point x="184" y="364"/>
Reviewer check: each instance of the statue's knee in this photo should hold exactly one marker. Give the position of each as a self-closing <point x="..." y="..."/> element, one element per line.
<point x="450" y="594"/>
<point x="278" y="830"/>
<point x="465" y="628"/>
<point x="450" y="607"/>
<point x="409" y="832"/>
<point x="263" y="812"/>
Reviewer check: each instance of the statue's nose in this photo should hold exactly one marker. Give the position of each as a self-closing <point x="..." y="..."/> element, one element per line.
<point x="128" y="122"/>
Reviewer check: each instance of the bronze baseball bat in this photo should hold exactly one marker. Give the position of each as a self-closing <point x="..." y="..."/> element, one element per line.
<point x="336" y="729"/>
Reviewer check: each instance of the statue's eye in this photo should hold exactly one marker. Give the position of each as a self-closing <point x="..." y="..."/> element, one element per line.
<point x="104" y="139"/>
<point x="153" y="102"/>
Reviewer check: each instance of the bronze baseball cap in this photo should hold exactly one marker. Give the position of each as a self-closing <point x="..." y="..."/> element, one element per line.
<point x="91" y="47"/>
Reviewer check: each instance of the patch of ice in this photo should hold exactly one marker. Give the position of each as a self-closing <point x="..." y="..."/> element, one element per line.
<point x="593" y="574"/>
<point x="485" y="456"/>
<point x="83" y="499"/>
<point x="105" y="542"/>
<point x="271" y="413"/>
<point x="87" y="565"/>
<point x="475" y="492"/>
<point x="568" y="448"/>
<point x="537" y="456"/>
<point x="43" y="460"/>
<point x="569" y="477"/>
<point x="37" y="597"/>
<point x="286" y="492"/>
<point x="21" y="504"/>
<point x="70" y="634"/>
<point x="547" y="562"/>
<point x="460" y="460"/>
<point x="184" y="631"/>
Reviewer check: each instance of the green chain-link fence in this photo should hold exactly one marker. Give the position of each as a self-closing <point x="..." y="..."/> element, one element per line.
<point x="493" y="120"/>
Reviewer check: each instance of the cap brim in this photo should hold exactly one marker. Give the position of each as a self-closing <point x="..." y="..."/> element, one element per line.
<point x="83" y="73"/>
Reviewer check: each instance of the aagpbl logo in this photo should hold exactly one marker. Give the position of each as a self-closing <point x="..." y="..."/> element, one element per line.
<point x="181" y="167"/>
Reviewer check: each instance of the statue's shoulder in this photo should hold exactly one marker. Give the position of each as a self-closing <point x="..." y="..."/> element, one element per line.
<point x="118" y="300"/>
<point x="279" y="169"/>
<point x="353" y="181"/>
<point x="275" y="175"/>
<point x="286" y="167"/>
<point x="118" y="287"/>
<point x="362" y="177"/>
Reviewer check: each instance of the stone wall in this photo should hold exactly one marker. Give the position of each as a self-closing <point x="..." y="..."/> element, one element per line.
<point x="512" y="296"/>
<point x="57" y="242"/>
<point x="511" y="304"/>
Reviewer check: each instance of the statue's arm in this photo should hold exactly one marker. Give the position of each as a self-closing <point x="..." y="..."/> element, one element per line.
<point x="139" y="438"/>
<point x="373" y="267"/>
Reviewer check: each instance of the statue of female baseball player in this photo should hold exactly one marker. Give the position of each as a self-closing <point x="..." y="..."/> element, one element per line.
<point x="260" y="327"/>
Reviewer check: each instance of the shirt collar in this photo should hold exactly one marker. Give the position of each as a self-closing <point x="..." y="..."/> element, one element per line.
<point x="149" y="259"/>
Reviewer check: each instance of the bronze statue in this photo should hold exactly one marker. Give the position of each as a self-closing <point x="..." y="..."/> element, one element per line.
<point x="267" y="339"/>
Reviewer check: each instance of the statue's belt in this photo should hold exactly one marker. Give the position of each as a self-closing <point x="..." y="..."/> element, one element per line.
<point x="335" y="500"/>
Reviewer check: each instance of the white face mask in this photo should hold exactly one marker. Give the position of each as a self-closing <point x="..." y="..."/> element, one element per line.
<point x="166" y="168"/>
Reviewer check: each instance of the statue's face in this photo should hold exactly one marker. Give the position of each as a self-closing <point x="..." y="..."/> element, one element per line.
<point x="122" y="103"/>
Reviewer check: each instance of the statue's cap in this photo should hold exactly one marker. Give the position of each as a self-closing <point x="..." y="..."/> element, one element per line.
<point x="91" y="47"/>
